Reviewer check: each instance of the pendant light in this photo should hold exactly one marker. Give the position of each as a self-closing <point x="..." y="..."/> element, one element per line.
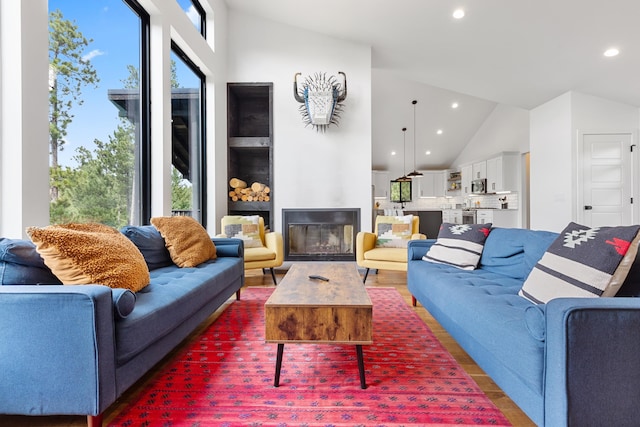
<point x="404" y="178"/>
<point x="415" y="173"/>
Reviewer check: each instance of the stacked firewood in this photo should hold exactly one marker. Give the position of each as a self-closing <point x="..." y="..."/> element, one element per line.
<point x="257" y="192"/>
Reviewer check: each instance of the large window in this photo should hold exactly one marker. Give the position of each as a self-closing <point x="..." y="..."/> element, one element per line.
<point x="98" y="112"/>
<point x="196" y="14"/>
<point x="187" y="135"/>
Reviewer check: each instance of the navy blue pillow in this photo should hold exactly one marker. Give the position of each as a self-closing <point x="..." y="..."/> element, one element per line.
<point x="150" y="243"/>
<point x="21" y="264"/>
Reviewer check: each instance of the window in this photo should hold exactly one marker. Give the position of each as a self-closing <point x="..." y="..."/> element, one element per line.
<point x="187" y="134"/>
<point x="196" y="14"/>
<point x="98" y="113"/>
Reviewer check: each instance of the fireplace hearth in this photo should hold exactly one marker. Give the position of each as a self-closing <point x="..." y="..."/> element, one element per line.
<point x="320" y="234"/>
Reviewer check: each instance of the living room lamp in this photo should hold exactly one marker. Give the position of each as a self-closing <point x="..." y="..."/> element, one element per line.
<point x="404" y="178"/>
<point x="415" y="173"/>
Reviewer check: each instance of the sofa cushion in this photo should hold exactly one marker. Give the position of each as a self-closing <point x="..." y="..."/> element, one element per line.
<point x="186" y="239"/>
<point x="150" y="243"/>
<point x="394" y="231"/>
<point x="21" y="264"/>
<point x="171" y="298"/>
<point x="245" y="228"/>
<point x="583" y="262"/>
<point x="514" y="252"/>
<point x="459" y="245"/>
<point x="91" y="253"/>
<point x="123" y="302"/>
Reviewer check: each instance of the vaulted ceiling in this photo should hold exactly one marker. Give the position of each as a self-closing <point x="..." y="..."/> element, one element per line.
<point x="520" y="53"/>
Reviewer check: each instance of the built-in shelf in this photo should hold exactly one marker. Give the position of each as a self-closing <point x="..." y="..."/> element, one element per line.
<point x="250" y="144"/>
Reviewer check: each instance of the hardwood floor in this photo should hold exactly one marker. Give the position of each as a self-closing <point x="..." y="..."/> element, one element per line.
<point x="256" y="278"/>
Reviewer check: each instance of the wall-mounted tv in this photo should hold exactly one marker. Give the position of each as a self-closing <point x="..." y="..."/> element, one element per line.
<point x="400" y="191"/>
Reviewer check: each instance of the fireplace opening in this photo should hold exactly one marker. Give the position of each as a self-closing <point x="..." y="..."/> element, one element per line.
<point x="320" y="234"/>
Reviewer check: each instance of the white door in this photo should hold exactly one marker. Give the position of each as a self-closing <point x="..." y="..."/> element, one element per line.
<point x="606" y="179"/>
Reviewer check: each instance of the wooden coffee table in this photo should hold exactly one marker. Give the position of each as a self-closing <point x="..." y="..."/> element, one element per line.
<point x="308" y="310"/>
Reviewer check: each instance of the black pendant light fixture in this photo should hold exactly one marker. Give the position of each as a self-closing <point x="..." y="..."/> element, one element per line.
<point x="404" y="178"/>
<point x="415" y="173"/>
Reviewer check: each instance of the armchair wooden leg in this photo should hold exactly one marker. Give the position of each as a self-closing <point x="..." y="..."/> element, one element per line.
<point x="273" y="275"/>
<point x="366" y="273"/>
<point x="414" y="302"/>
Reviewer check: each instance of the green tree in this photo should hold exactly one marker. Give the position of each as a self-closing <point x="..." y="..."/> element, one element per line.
<point x="69" y="72"/>
<point x="99" y="189"/>
<point x="181" y="191"/>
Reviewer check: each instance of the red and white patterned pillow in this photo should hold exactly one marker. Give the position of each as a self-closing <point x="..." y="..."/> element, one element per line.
<point x="583" y="262"/>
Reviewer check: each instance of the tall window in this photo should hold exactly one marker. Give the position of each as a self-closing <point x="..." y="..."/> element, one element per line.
<point x="98" y="112"/>
<point x="196" y="14"/>
<point x="187" y="135"/>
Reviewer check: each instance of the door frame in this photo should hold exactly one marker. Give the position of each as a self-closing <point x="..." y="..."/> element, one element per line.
<point x="635" y="167"/>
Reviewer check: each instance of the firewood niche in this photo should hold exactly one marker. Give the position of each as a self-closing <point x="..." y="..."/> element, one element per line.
<point x="257" y="192"/>
<point x="250" y="150"/>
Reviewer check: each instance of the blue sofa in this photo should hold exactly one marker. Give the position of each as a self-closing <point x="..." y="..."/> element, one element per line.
<point x="571" y="362"/>
<point x="76" y="349"/>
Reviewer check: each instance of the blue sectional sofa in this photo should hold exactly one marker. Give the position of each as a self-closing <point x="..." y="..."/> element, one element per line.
<point x="570" y="362"/>
<point x="76" y="349"/>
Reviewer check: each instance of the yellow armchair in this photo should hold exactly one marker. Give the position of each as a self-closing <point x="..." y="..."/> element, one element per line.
<point x="368" y="255"/>
<point x="261" y="249"/>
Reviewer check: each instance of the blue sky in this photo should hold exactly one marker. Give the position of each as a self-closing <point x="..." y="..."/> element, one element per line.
<point x="114" y="29"/>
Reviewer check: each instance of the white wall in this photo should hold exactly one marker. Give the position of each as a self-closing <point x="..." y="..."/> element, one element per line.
<point x="24" y="144"/>
<point x="506" y="129"/>
<point x="311" y="169"/>
<point x="554" y="129"/>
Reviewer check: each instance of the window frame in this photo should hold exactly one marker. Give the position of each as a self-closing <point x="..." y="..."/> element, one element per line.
<point x="202" y="158"/>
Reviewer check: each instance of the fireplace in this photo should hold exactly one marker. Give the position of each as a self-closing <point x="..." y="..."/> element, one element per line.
<point x="320" y="234"/>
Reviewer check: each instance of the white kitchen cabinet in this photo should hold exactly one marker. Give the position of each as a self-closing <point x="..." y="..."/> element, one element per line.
<point x="479" y="170"/>
<point x="503" y="173"/>
<point x="381" y="185"/>
<point x="452" y="216"/>
<point x="430" y="184"/>
<point x="466" y="176"/>
<point x="484" y="216"/>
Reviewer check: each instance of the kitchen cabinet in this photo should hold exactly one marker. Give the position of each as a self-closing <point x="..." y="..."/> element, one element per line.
<point x="381" y="184"/>
<point x="430" y="222"/>
<point x="479" y="170"/>
<point x="452" y="216"/>
<point x="466" y="176"/>
<point x="503" y="173"/>
<point x="484" y="216"/>
<point x="430" y="184"/>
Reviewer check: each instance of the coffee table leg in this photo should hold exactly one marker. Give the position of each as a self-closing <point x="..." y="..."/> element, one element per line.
<point x="363" y="383"/>
<point x="276" y="381"/>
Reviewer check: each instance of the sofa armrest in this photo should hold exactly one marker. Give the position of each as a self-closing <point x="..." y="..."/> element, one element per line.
<point x="273" y="241"/>
<point x="57" y="354"/>
<point x="592" y="369"/>
<point x="418" y="248"/>
<point x="365" y="241"/>
<point x="228" y="247"/>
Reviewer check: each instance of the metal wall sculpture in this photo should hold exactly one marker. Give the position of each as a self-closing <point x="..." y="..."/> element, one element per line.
<point x="321" y="99"/>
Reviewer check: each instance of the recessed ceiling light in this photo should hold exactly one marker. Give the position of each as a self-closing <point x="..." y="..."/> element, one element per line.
<point x="458" y="13"/>
<point x="454" y="105"/>
<point x="428" y="153"/>
<point x="393" y="153"/>
<point x="439" y="131"/>
<point x="611" y="52"/>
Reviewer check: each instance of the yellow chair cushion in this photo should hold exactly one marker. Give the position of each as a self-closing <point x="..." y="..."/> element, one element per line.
<point x="387" y="254"/>
<point x="258" y="254"/>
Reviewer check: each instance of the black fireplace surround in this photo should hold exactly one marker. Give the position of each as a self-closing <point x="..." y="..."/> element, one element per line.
<point x="325" y="234"/>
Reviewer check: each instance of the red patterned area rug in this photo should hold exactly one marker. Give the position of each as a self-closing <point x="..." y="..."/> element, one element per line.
<point x="225" y="377"/>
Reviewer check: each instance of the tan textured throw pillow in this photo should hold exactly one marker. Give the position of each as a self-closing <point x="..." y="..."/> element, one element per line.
<point x="91" y="253"/>
<point x="186" y="239"/>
